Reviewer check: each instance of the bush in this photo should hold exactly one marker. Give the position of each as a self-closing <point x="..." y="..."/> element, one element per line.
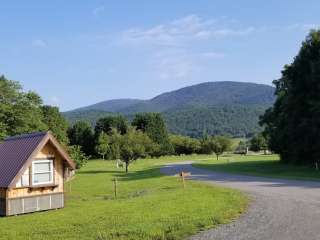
<point x="78" y="156"/>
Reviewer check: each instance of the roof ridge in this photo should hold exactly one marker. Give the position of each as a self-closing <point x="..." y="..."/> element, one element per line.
<point x="27" y="135"/>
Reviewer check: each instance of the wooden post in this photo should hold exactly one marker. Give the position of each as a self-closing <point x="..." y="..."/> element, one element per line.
<point x="183" y="180"/>
<point x="115" y="187"/>
<point x="70" y="186"/>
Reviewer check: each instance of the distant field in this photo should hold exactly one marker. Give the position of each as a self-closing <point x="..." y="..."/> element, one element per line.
<point x="149" y="206"/>
<point x="259" y="165"/>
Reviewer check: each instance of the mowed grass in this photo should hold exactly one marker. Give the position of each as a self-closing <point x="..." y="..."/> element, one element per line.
<point x="149" y="206"/>
<point x="259" y="165"/>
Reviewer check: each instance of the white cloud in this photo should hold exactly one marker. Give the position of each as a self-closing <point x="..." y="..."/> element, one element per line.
<point x="39" y="43"/>
<point x="182" y="30"/>
<point x="303" y="26"/>
<point x="98" y="10"/>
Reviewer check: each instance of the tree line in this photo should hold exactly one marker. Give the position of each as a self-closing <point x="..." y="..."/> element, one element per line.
<point x="112" y="137"/>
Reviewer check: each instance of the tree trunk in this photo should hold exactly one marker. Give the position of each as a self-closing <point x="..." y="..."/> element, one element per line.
<point x="217" y="156"/>
<point x="127" y="165"/>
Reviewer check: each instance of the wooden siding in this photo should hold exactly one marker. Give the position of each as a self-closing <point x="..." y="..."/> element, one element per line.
<point x="48" y="151"/>
<point x="3" y="192"/>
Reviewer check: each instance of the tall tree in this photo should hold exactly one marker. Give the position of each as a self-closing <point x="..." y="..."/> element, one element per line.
<point x="293" y="123"/>
<point x="185" y="145"/>
<point x="134" y="145"/>
<point x="103" y="145"/>
<point x="258" y="143"/>
<point x="218" y="145"/>
<point x="81" y="133"/>
<point x="155" y="127"/>
<point x="106" y="125"/>
<point x="20" y="112"/>
<point x="55" y="123"/>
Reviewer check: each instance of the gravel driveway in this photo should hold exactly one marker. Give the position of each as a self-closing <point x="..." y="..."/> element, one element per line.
<point x="280" y="210"/>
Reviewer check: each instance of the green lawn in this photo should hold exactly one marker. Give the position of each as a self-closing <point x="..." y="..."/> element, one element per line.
<point x="149" y="206"/>
<point x="259" y="165"/>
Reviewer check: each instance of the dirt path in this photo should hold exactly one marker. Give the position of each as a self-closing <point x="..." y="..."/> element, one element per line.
<point x="281" y="209"/>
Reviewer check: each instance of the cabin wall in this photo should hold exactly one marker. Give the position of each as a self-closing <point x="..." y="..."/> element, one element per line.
<point x="28" y="199"/>
<point x="47" y="152"/>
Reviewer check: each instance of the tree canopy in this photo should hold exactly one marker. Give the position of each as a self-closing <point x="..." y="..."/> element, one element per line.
<point x="22" y="112"/>
<point x="293" y="123"/>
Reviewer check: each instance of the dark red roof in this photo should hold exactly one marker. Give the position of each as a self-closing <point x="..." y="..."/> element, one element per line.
<point x="14" y="152"/>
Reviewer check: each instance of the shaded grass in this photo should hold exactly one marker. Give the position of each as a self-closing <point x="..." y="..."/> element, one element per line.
<point x="259" y="165"/>
<point x="149" y="206"/>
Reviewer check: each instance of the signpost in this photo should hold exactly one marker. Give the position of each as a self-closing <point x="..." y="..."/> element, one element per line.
<point x="115" y="187"/>
<point x="183" y="174"/>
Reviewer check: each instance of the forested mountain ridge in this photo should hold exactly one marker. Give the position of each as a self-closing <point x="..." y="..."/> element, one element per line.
<point x="231" y="108"/>
<point x="203" y="94"/>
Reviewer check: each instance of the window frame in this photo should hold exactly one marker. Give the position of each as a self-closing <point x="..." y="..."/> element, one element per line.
<point x="51" y="172"/>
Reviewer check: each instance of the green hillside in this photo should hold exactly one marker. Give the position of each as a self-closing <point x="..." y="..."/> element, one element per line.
<point x="231" y="108"/>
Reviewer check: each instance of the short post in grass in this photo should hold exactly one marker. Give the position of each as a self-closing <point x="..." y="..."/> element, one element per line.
<point x="69" y="186"/>
<point x="115" y="187"/>
<point x="183" y="175"/>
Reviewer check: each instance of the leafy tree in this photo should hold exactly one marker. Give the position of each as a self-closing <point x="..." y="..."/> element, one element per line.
<point x="134" y="145"/>
<point x="20" y="112"/>
<point x="242" y="147"/>
<point x="106" y="125"/>
<point x="155" y="127"/>
<point x="115" y="143"/>
<point x="293" y="123"/>
<point x="81" y="133"/>
<point x="77" y="155"/>
<point x="218" y="145"/>
<point x="103" y="146"/>
<point x="258" y="143"/>
<point x="184" y="144"/>
<point x="55" y="122"/>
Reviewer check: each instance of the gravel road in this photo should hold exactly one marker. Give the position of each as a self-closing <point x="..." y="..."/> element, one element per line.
<point x="280" y="210"/>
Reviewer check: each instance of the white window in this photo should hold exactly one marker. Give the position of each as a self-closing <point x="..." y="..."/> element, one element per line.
<point x="42" y="172"/>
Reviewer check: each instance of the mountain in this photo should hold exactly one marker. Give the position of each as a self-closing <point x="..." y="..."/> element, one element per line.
<point x="111" y="105"/>
<point x="215" y="107"/>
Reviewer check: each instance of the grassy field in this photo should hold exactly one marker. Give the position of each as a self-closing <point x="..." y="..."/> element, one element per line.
<point x="149" y="206"/>
<point x="259" y="165"/>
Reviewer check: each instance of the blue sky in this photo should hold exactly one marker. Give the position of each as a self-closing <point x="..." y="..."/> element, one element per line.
<point x="75" y="53"/>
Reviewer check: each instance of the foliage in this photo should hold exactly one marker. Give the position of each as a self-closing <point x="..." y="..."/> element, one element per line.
<point x="115" y="143"/>
<point x="134" y="144"/>
<point x="56" y="123"/>
<point x="155" y="127"/>
<point x="184" y="144"/>
<point x="258" y="143"/>
<point x="103" y="146"/>
<point x="77" y="155"/>
<point x="81" y="133"/>
<point x="20" y="112"/>
<point x="106" y="125"/>
<point x="217" y="145"/>
<point x="242" y="147"/>
<point x="292" y="124"/>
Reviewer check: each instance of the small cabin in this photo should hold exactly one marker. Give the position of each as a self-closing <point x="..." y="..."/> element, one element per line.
<point x="33" y="170"/>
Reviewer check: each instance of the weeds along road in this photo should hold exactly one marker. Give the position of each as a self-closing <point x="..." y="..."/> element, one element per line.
<point x="280" y="209"/>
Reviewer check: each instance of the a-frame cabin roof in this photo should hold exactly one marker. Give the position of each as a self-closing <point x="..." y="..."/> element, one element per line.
<point x="17" y="152"/>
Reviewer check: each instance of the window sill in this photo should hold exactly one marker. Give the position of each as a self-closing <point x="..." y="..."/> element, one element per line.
<point x="44" y="186"/>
